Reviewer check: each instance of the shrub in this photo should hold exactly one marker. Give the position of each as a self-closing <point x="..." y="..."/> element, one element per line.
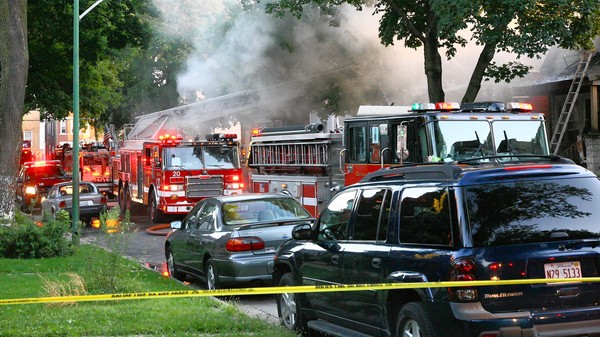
<point x="29" y="239"/>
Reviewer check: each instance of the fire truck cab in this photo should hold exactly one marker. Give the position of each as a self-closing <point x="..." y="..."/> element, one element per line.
<point x="443" y="132"/>
<point x="170" y="175"/>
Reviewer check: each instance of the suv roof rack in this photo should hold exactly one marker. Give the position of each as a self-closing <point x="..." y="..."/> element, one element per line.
<point x="419" y="172"/>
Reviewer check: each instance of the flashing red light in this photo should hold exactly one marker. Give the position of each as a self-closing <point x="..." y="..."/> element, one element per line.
<point x="447" y="106"/>
<point x="221" y="136"/>
<point x="170" y="139"/>
<point x="235" y="178"/>
<point x="519" y="107"/>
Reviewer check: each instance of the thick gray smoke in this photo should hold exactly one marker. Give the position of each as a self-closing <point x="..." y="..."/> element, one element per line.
<point x="242" y="48"/>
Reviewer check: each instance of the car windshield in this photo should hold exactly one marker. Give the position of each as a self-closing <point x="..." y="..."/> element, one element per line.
<point x="202" y="157"/>
<point x="459" y="140"/>
<point x="534" y="211"/>
<point x="41" y="172"/>
<point x="261" y="210"/>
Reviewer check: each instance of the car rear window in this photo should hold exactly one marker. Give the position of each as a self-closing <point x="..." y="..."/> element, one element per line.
<point x="534" y="211"/>
<point x="260" y="210"/>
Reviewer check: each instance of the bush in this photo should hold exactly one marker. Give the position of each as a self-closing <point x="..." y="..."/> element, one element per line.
<point x="29" y="239"/>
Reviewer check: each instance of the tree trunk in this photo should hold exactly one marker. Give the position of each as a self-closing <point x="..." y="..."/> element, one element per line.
<point x="433" y="63"/>
<point x="14" y="61"/>
<point x="486" y="56"/>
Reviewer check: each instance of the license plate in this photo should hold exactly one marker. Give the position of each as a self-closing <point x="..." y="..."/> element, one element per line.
<point x="563" y="270"/>
<point x="86" y="203"/>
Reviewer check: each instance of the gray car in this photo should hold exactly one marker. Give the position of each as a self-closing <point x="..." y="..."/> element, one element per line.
<point x="231" y="240"/>
<point x="60" y="197"/>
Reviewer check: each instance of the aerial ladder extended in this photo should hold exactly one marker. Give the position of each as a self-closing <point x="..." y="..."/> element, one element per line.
<point x="567" y="109"/>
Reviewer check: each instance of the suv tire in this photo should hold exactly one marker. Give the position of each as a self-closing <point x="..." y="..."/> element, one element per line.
<point x="289" y="309"/>
<point x="414" y="321"/>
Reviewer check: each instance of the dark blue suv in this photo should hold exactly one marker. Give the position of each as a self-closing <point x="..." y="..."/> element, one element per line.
<point x="517" y="220"/>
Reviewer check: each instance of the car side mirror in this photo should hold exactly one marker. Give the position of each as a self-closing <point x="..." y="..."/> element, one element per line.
<point x="176" y="224"/>
<point x="301" y="232"/>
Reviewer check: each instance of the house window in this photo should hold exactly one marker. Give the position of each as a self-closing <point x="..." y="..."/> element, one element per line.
<point x="28" y="135"/>
<point x="63" y="127"/>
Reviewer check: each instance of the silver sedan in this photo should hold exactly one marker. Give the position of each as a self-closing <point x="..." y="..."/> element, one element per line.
<point x="60" y="197"/>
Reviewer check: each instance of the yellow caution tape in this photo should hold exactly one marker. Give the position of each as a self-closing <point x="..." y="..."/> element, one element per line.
<point x="291" y="289"/>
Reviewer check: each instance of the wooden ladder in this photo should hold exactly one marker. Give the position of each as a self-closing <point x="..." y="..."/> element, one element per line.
<point x="567" y="109"/>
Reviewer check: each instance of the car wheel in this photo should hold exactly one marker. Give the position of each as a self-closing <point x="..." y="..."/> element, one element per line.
<point x="173" y="272"/>
<point x="156" y="215"/>
<point x="413" y="321"/>
<point x="288" y="307"/>
<point x="212" y="277"/>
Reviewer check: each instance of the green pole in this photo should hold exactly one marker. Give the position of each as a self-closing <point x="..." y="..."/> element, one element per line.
<point x="75" y="220"/>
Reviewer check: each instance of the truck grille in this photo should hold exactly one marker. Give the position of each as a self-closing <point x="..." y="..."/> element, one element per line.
<point x="204" y="187"/>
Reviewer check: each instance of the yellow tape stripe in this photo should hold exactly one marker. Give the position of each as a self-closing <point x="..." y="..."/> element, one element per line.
<point x="294" y="289"/>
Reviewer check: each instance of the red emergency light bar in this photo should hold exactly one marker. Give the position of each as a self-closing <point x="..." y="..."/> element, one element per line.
<point x="518" y="107"/>
<point x="170" y="139"/>
<point x="439" y="106"/>
<point x="221" y="136"/>
<point x="42" y="163"/>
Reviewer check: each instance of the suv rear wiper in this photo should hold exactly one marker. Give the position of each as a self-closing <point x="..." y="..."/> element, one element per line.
<point x="580" y="243"/>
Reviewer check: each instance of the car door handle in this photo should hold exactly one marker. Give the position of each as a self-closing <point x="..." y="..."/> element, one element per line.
<point x="376" y="262"/>
<point x="335" y="259"/>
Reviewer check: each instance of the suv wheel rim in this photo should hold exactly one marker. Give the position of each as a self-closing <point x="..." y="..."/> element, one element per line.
<point x="411" y="329"/>
<point x="287" y="308"/>
<point x="210" y="278"/>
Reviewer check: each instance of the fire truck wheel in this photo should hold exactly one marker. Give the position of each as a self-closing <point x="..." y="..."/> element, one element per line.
<point x="212" y="277"/>
<point x="156" y="215"/>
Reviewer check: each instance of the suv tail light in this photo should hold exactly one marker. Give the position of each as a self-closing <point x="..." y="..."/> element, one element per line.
<point x="244" y="244"/>
<point x="463" y="269"/>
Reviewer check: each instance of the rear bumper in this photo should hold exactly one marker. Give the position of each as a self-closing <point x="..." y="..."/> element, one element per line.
<point x="247" y="269"/>
<point x="88" y="211"/>
<point x="564" y="322"/>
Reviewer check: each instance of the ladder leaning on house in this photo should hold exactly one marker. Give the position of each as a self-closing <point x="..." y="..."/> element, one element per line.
<point x="567" y="109"/>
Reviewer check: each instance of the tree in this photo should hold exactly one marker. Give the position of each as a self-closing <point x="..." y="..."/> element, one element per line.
<point x="13" y="77"/>
<point x="36" y="67"/>
<point x="520" y="27"/>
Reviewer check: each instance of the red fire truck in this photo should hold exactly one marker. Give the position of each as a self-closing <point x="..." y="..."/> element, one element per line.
<point x="309" y="165"/>
<point x="26" y="153"/>
<point x="94" y="165"/>
<point x="170" y="175"/>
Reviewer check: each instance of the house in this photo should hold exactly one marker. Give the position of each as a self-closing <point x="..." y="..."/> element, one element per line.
<point x="548" y="90"/>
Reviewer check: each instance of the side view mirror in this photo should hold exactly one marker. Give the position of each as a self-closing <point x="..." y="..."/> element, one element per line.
<point x="301" y="232"/>
<point x="157" y="163"/>
<point x="176" y="224"/>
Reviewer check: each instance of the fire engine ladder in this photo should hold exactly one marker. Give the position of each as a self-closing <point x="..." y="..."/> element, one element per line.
<point x="567" y="109"/>
<point x="291" y="154"/>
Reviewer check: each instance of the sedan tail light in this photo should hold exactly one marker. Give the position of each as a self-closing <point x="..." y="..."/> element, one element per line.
<point x="62" y="204"/>
<point x="463" y="269"/>
<point x="244" y="244"/>
<point x="103" y="199"/>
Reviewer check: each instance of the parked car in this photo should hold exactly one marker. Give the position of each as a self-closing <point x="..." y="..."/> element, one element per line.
<point x="35" y="180"/>
<point x="60" y="197"/>
<point x="231" y="240"/>
<point x="447" y="222"/>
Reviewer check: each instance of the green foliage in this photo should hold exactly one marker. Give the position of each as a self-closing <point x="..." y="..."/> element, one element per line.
<point x="29" y="239"/>
<point x="110" y="27"/>
<point x="106" y="271"/>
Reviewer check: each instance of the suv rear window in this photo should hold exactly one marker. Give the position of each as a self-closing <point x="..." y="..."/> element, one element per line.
<point x="534" y="211"/>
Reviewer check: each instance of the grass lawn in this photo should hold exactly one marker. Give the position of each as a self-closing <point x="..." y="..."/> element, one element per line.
<point x="92" y="270"/>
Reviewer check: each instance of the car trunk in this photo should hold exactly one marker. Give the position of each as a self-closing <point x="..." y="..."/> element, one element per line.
<point x="273" y="235"/>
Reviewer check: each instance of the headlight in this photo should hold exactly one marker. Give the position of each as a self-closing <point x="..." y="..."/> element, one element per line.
<point x="30" y="190"/>
<point x="233" y="186"/>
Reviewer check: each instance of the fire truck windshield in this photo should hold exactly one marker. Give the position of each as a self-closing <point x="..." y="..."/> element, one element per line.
<point x="464" y="139"/>
<point x="202" y="157"/>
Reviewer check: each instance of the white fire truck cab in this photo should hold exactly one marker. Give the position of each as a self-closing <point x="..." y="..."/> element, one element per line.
<point x="170" y="175"/>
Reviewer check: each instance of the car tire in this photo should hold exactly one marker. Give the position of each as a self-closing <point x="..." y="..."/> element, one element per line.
<point x="289" y="309"/>
<point x="212" y="276"/>
<point x="173" y="272"/>
<point x="413" y="320"/>
<point x="156" y="215"/>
